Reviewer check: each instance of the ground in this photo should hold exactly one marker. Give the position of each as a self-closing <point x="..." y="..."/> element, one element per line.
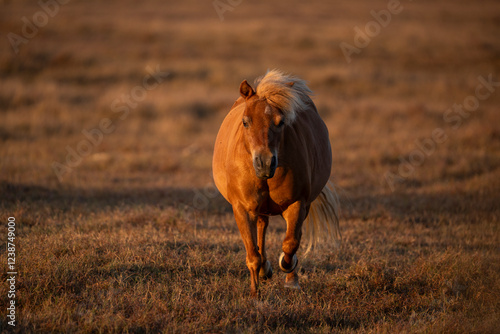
<point x="108" y="116"/>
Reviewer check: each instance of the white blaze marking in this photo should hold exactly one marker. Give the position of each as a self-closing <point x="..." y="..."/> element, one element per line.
<point x="268" y="110"/>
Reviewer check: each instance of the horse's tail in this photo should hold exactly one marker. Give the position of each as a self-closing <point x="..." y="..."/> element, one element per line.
<point x="322" y="222"/>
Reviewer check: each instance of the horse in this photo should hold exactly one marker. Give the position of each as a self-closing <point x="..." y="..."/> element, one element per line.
<point x="272" y="156"/>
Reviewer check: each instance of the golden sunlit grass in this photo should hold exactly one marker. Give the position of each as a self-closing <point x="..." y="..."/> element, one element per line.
<point x="134" y="238"/>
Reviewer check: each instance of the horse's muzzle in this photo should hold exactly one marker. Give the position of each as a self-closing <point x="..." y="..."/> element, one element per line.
<point x="265" y="167"/>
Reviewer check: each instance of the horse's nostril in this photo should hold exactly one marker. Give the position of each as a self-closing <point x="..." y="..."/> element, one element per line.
<point x="274" y="162"/>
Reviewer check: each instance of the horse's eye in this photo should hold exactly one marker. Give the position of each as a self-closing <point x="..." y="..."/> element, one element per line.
<point x="245" y="123"/>
<point x="281" y="123"/>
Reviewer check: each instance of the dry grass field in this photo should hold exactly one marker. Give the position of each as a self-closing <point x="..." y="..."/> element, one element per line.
<point x="107" y="168"/>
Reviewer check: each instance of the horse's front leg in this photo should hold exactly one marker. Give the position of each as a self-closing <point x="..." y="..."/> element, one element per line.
<point x="294" y="216"/>
<point x="247" y="224"/>
<point x="266" y="271"/>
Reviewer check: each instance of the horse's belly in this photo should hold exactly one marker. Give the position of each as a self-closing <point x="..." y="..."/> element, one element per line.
<point x="219" y="173"/>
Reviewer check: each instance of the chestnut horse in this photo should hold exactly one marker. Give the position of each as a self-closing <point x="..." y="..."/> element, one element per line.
<point x="272" y="156"/>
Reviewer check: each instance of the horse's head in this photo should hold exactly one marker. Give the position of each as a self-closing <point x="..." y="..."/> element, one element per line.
<point x="263" y="125"/>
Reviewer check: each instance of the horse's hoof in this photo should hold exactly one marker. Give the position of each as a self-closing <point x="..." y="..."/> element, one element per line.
<point x="292" y="285"/>
<point x="294" y="263"/>
<point x="266" y="272"/>
<point x="292" y="281"/>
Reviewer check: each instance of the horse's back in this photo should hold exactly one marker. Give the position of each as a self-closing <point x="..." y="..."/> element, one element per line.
<point x="319" y="149"/>
<point x="306" y="152"/>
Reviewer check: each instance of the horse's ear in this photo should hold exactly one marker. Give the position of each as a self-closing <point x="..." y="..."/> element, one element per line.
<point x="246" y="90"/>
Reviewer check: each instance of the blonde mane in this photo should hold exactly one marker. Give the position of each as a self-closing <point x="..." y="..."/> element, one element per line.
<point x="285" y="92"/>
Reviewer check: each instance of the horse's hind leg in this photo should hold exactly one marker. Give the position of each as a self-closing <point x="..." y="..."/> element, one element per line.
<point x="294" y="216"/>
<point x="266" y="271"/>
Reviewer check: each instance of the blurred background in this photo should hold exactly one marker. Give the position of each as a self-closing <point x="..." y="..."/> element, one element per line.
<point x="108" y="116"/>
<point x="64" y="65"/>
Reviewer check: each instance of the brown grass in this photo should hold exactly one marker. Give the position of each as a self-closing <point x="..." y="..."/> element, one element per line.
<point x="116" y="246"/>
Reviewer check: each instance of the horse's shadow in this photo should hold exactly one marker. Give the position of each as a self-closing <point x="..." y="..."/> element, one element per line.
<point x="427" y="209"/>
<point x="411" y="207"/>
<point x="407" y="208"/>
<point x="94" y="200"/>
